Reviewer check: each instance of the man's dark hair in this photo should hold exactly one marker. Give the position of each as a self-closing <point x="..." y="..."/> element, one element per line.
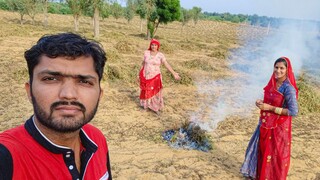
<point x="68" y="45"/>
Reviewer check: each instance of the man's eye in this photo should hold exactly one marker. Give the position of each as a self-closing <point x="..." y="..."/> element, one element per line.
<point x="49" y="78"/>
<point x="86" y="82"/>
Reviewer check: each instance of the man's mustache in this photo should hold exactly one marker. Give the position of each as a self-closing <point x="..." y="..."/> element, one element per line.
<point x="74" y="103"/>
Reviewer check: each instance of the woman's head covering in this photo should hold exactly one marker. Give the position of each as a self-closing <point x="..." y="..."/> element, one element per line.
<point x="290" y="77"/>
<point x="154" y="41"/>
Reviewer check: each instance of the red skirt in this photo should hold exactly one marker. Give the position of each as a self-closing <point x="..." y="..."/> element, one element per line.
<point x="149" y="87"/>
<point x="274" y="152"/>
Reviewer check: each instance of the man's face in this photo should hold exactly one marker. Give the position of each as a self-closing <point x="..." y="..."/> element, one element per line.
<point x="65" y="93"/>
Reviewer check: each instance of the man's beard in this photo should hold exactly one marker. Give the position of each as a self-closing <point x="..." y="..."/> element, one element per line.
<point x="65" y="124"/>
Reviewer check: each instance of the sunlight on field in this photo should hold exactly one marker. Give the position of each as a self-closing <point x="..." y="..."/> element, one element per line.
<point x="197" y="52"/>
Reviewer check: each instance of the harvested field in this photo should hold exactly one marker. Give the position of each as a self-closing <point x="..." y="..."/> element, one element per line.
<point x="137" y="150"/>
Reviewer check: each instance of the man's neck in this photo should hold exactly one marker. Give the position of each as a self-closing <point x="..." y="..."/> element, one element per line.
<point x="70" y="140"/>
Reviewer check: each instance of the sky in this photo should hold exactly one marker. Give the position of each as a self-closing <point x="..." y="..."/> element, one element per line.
<point x="296" y="9"/>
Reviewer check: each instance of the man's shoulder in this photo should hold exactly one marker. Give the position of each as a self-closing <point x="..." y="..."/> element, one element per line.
<point x="13" y="138"/>
<point x="90" y="127"/>
<point x="92" y="131"/>
<point x="12" y="133"/>
<point x="94" y="134"/>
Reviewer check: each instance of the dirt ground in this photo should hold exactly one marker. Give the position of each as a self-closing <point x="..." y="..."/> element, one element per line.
<point x="137" y="150"/>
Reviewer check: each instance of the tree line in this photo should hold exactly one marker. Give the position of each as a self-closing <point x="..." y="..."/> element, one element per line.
<point x="255" y="20"/>
<point x="154" y="12"/>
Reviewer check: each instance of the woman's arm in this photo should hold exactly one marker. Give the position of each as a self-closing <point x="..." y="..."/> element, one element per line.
<point x="167" y="65"/>
<point x="291" y="100"/>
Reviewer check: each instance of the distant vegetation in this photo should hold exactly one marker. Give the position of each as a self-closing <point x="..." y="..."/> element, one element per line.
<point x="154" y="12"/>
<point x="309" y="96"/>
<point x="254" y="20"/>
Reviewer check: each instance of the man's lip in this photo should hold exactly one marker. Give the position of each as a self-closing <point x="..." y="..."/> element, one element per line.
<point x="68" y="108"/>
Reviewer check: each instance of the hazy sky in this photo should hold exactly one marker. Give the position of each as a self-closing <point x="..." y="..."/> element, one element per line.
<point x="297" y="9"/>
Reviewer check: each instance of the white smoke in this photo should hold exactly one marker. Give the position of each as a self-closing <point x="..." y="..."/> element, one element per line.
<point x="253" y="64"/>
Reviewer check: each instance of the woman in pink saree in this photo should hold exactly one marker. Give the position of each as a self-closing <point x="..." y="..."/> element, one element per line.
<point x="268" y="153"/>
<point x="151" y="79"/>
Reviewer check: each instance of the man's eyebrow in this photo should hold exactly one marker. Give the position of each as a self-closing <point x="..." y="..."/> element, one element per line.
<point x="55" y="73"/>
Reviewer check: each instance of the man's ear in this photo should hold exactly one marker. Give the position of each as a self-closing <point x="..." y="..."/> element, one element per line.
<point x="27" y="86"/>
<point x="101" y="93"/>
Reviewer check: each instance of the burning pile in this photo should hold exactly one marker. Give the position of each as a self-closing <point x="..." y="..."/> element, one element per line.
<point x="189" y="136"/>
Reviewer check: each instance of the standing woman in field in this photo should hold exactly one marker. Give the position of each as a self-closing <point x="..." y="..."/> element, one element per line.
<point x="151" y="79"/>
<point x="268" y="152"/>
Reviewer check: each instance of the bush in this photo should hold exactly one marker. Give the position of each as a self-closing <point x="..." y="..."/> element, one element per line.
<point x="59" y="8"/>
<point x="3" y="5"/>
<point x="309" y="99"/>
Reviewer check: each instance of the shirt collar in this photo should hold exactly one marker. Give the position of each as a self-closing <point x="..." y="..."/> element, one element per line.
<point x="34" y="131"/>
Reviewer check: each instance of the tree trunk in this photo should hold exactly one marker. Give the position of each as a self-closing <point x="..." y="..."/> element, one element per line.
<point x="76" y="23"/>
<point x="96" y="22"/>
<point x="45" y="11"/>
<point x="148" y="34"/>
<point x="21" y="19"/>
<point x="182" y="28"/>
<point x="156" y="28"/>
<point x="33" y="21"/>
<point x="141" y="20"/>
<point x="148" y="30"/>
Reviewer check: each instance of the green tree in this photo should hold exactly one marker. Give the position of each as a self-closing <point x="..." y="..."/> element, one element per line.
<point x="129" y="10"/>
<point x="77" y="7"/>
<point x="58" y="8"/>
<point x="141" y="10"/>
<point x="45" y="11"/>
<point x="254" y="20"/>
<point x="165" y="11"/>
<point x="106" y="10"/>
<point x="196" y="12"/>
<point x="25" y="7"/>
<point x="18" y="6"/>
<point x="116" y="10"/>
<point x="33" y="8"/>
<point x="97" y="6"/>
<point x="3" y="5"/>
<point x="186" y="16"/>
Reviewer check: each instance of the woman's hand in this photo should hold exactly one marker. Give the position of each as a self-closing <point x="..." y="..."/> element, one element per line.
<point x="264" y="106"/>
<point x="176" y="76"/>
<point x="259" y="102"/>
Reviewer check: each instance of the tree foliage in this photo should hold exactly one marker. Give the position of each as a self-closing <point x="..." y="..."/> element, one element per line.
<point x="25" y="7"/>
<point x="141" y="8"/>
<point x="116" y="10"/>
<point x="154" y="11"/>
<point x="161" y="11"/>
<point x="186" y="16"/>
<point x="168" y="10"/>
<point x="4" y="5"/>
<point x="59" y="8"/>
<point x="196" y="12"/>
<point x="77" y="7"/>
<point x="129" y="10"/>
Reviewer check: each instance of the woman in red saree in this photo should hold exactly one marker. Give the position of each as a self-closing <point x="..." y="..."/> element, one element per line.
<point x="151" y="79"/>
<point x="271" y="143"/>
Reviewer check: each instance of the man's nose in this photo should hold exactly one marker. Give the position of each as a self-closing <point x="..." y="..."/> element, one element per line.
<point x="68" y="90"/>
